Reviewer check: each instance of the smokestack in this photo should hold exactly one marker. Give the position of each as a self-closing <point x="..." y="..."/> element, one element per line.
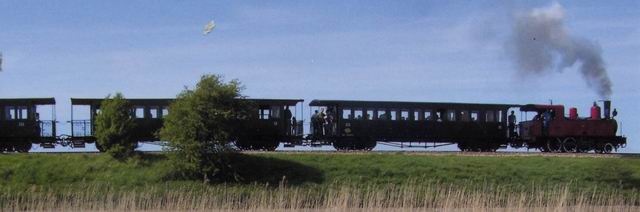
<point x="607" y="109"/>
<point x="540" y="43"/>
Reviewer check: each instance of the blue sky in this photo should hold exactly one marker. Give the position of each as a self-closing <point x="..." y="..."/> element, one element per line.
<point x="367" y="50"/>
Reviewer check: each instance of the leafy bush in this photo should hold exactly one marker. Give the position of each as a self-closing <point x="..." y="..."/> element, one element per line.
<point x="200" y="126"/>
<point x="115" y="126"/>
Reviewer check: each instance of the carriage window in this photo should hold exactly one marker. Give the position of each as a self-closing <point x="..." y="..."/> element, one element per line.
<point x="369" y="115"/>
<point x="10" y="112"/>
<point x="416" y="115"/>
<point x="404" y="115"/>
<point x="427" y="115"/>
<point x="22" y="112"/>
<point x="464" y="115"/>
<point x="139" y="112"/>
<point x="474" y="116"/>
<point x="393" y="115"/>
<point x="264" y="113"/>
<point x="451" y="115"/>
<point x="358" y="114"/>
<point x="165" y="111"/>
<point x="275" y="112"/>
<point x="489" y="116"/>
<point x="382" y="114"/>
<point x="346" y="113"/>
<point x="499" y="115"/>
<point x="153" y="112"/>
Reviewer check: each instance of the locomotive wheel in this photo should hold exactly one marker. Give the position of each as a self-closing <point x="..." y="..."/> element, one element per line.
<point x="608" y="148"/>
<point x="543" y="148"/>
<point x="553" y="146"/>
<point x="569" y="145"/>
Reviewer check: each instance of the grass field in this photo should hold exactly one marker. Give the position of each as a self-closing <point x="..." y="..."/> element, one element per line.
<point x="323" y="181"/>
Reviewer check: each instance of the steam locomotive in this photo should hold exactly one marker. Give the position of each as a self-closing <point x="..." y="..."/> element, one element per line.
<point x="345" y="125"/>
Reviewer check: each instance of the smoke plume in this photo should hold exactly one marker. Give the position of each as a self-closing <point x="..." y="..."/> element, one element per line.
<point x="540" y="43"/>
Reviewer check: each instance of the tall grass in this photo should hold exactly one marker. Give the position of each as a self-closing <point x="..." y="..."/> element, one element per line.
<point x="335" y="197"/>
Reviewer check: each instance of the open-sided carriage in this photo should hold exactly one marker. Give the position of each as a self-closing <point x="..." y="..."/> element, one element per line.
<point x="277" y="121"/>
<point x="271" y="126"/>
<point x="148" y="114"/>
<point x="21" y="124"/>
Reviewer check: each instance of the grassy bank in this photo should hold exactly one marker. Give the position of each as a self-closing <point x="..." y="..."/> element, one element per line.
<point x="22" y="170"/>
<point x="323" y="181"/>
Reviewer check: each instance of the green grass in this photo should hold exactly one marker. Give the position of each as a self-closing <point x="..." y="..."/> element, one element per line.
<point x="22" y="171"/>
<point x="314" y="180"/>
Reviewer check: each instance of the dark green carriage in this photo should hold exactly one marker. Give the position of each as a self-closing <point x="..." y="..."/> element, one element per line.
<point x="148" y="115"/>
<point x="360" y="125"/>
<point x="21" y="124"/>
<point x="265" y="131"/>
<point x="272" y="125"/>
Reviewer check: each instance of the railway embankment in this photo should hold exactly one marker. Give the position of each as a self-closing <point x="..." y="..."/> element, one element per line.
<point x="22" y="171"/>
<point x="336" y="181"/>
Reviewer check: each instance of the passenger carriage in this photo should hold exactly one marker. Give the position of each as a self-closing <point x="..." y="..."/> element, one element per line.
<point x="265" y="131"/>
<point x="360" y="125"/>
<point x="22" y="124"/>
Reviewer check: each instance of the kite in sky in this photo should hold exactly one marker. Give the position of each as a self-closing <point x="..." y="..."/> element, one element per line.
<point x="0" y="61"/>
<point x="209" y="27"/>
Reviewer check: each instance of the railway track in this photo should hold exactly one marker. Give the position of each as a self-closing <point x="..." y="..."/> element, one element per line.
<point x="458" y="153"/>
<point x="426" y="153"/>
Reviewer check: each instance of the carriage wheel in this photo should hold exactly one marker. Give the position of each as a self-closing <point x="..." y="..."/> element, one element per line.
<point x="347" y="144"/>
<point x="369" y="143"/>
<point x="463" y="147"/>
<point x="242" y="145"/>
<point x="23" y="148"/>
<point x="271" y="145"/>
<point x="99" y="147"/>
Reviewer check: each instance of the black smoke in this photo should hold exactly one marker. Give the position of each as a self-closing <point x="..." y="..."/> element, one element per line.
<point x="540" y="43"/>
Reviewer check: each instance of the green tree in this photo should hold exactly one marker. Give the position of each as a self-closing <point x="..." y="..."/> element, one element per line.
<point x="115" y="126"/>
<point x="200" y="126"/>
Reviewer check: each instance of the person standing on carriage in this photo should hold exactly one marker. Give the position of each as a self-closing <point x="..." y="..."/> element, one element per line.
<point x="511" y="120"/>
<point x="294" y="126"/>
<point x="315" y="124"/>
<point x="287" y="119"/>
<point x="329" y="129"/>
<point x="322" y="122"/>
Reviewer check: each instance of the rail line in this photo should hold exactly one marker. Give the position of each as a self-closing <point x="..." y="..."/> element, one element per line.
<point x="426" y="153"/>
